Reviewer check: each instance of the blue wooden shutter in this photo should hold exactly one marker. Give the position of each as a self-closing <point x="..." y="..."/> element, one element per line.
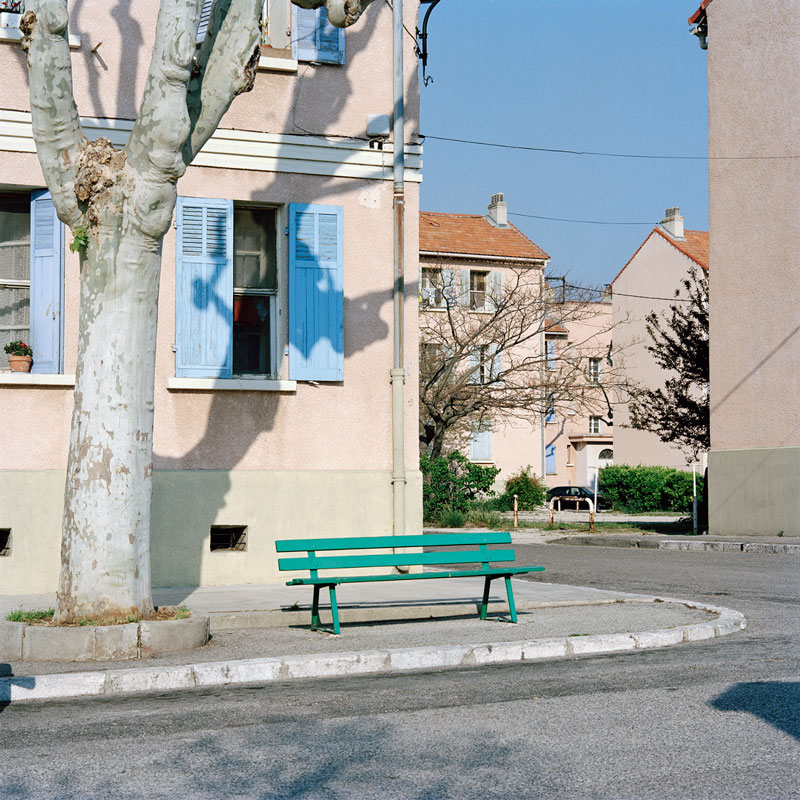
<point x="204" y="289"/>
<point x="47" y="284"/>
<point x="449" y="290"/>
<point x="550" y="459"/>
<point x="463" y="287"/>
<point x="496" y="362"/>
<point x="205" y="19"/>
<point x="550" y="352"/>
<point x="480" y="444"/>
<point x="314" y="38"/>
<point x="495" y="290"/>
<point x="316" y="293"/>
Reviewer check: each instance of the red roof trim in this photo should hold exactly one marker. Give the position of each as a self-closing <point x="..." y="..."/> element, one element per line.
<point x="633" y="256"/>
<point x="699" y="13"/>
<point x="681" y="245"/>
<point x="678" y="245"/>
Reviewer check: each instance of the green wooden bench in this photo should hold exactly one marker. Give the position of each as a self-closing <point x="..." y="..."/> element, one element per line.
<point x="357" y="558"/>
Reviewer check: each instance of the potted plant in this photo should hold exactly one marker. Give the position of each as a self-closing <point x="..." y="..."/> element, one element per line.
<point x="10" y="11"/>
<point x="20" y="356"/>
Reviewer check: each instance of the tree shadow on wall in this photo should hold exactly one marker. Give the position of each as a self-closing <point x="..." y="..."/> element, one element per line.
<point x="243" y="424"/>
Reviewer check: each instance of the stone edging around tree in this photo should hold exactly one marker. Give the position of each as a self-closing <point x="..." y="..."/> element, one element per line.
<point x="21" y="641"/>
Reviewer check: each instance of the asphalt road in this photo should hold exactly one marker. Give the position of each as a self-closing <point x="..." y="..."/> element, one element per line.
<point x="718" y="719"/>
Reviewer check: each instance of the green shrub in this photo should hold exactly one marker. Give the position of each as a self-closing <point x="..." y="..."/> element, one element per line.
<point x="451" y="518"/>
<point x="638" y="490"/>
<point x="677" y="492"/>
<point x="451" y="482"/>
<point x="485" y="518"/>
<point x="530" y="491"/>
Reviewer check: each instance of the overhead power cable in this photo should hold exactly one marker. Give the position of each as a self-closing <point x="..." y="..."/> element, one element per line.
<point x="582" y="221"/>
<point x="565" y="151"/>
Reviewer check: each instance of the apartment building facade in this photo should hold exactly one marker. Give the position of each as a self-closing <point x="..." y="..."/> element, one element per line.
<point x="272" y="402"/>
<point x="470" y="261"/>
<point x="647" y="284"/>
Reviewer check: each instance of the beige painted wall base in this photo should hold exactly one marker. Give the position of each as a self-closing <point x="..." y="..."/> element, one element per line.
<point x="272" y="504"/>
<point x="754" y="492"/>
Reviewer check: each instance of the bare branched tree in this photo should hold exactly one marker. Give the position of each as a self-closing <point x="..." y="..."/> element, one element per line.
<point x="119" y="204"/>
<point x="482" y="361"/>
<point x="679" y="412"/>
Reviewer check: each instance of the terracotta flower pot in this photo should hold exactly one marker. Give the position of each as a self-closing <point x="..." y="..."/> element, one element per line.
<point x="20" y="363"/>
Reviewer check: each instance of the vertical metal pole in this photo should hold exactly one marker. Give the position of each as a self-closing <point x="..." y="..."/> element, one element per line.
<point x="694" y="498"/>
<point x="543" y="344"/>
<point x="516" y="511"/>
<point x="398" y="213"/>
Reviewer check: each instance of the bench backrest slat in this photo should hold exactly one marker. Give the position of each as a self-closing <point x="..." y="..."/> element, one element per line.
<point x="382" y="542"/>
<point x="395" y="559"/>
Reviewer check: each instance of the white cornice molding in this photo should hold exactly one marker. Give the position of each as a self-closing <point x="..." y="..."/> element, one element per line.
<point x="247" y="150"/>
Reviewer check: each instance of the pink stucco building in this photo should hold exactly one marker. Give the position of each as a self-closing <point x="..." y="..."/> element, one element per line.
<point x="754" y="182"/>
<point x="482" y="254"/>
<point x="273" y="402"/>
<point x="647" y="284"/>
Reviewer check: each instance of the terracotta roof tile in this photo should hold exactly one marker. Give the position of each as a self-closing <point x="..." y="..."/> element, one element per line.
<point x="695" y="247"/>
<point x="471" y="234"/>
<point x="551" y="326"/>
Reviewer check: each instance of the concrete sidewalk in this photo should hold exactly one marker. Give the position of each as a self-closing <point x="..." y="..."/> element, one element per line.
<point x="260" y="634"/>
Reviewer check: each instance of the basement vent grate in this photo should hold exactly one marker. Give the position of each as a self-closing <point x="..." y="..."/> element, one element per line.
<point x="5" y="541"/>
<point x="228" y="537"/>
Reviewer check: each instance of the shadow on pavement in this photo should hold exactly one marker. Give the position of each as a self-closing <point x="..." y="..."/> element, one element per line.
<point x="5" y="687"/>
<point x="776" y="702"/>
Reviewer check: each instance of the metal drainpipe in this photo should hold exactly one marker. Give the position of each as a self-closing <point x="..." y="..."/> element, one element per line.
<point x="543" y="372"/>
<point x="398" y="212"/>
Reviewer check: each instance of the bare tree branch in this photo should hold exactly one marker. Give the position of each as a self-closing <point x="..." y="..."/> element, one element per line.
<point x="56" y="127"/>
<point x="481" y="359"/>
<point x="225" y="67"/>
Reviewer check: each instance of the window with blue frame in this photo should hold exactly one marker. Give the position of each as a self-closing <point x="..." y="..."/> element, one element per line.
<point x="32" y="278"/>
<point x="227" y="291"/>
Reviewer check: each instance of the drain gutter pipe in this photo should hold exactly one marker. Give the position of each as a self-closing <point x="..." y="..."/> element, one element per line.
<point x="398" y="212"/>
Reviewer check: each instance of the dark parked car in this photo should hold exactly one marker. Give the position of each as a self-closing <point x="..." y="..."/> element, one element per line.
<point x="577" y="497"/>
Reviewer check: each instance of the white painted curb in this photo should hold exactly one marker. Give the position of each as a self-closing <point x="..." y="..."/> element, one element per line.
<point x="375" y="662"/>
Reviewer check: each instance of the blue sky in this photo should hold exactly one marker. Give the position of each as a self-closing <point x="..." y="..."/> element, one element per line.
<point x="619" y="76"/>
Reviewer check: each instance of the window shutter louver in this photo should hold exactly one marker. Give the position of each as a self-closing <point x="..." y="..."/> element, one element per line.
<point x="497" y="363"/>
<point x="480" y="445"/>
<point x="204" y="289"/>
<point x="449" y="290"/>
<point x="205" y="19"/>
<point x="47" y="281"/>
<point x="550" y="459"/>
<point x="316" y="292"/>
<point x="495" y="290"/>
<point x="314" y="38"/>
<point x="463" y="287"/>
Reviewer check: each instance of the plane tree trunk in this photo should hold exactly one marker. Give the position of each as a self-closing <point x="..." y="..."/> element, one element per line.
<point x="119" y="204"/>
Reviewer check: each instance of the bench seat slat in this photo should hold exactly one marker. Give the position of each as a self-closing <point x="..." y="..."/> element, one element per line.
<point x="381" y="542"/>
<point x="395" y="559"/>
<point x="415" y="576"/>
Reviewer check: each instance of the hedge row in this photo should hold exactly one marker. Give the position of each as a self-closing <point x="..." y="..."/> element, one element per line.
<point x="636" y="490"/>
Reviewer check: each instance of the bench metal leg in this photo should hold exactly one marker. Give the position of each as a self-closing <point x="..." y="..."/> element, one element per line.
<point x="334" y="609"/>
<point x="510" y="593"/>
<point x="487" y="583"/>
<point x="315" y="608"/>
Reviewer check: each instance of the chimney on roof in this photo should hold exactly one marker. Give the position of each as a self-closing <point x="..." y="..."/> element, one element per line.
<point x="498" y="211"/>
<point x="673" y="222"/>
